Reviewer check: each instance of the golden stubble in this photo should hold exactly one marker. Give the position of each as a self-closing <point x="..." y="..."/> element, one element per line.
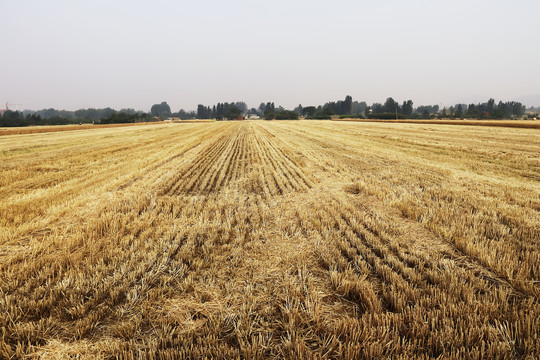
<point x="270" y="240"/>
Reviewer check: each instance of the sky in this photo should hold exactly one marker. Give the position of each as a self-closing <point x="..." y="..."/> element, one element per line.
<point x="72" y="54"/>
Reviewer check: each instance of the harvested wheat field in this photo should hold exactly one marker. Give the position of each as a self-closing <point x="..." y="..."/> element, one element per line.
<point x="306" y="239"/>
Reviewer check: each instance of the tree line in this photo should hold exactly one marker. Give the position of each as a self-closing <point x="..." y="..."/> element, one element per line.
<point x="347" y="107"/>
<point x="63" y="117"/>
<point x="392" y="109"/>
<point x="225" y="111"/>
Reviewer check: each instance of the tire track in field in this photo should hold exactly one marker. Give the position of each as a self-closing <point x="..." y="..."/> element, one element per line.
<point x="286" y="178"/>
<point x="400" y="273"/>
<point x="434" y="253"/>
<point x="379" y="272"/>
<point x="244" y="158"/>
<point x="366" y="255"/>
<point x="320" y="149"/>
<point x="177" y="183"/>
<point x="292" y="165"/>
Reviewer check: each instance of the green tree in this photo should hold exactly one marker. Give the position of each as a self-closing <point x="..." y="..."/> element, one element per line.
<point x="490" y="107"/>
<point x="232" y="112"/>
<point x="286" y="115"/>
<point x="12" y="118"/>
<point x="390" y="106"/>
<point x="377" y="108"/>
<point x="262" y="108"/>
<point x="346" y="107"/>
<point x="203" y="112"/>
<point x="309" y="111"/>
<point x="359" y="108"/>
<point x="242" y="106"/>
<point x="269" y="111"/>
<point x="162" y="110"/>
<point x="459" y="111"/>
<point x="407" y="108"/>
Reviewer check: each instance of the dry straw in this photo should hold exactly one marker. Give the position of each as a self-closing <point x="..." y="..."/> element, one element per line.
<point x="271" y="240"/>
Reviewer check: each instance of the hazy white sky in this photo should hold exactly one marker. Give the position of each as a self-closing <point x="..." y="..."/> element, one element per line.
<point x="71" y="54"/>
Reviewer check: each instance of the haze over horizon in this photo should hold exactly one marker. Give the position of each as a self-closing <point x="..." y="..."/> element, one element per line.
<point x="71" y="55"/>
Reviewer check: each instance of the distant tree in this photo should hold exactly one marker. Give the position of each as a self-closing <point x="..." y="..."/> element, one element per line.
<point x="377" y="108"/>
<point x="204" y="112"/>
<point x="309" y="111"/>
<point x="459" y="111"/>
<point x="324" y="112"/>
<point x="91" y="114"/>
<point x="129" y="111"/>
<point x="359" y="108"/>
<point x="426" y="110"/>
<point x="328" y="110"/>
<point x="367" y="111"/>
<point x="332" y="107"/>
<point x="241" y="106"/>
<point x="299" y="109"/>
<point x="262" y="108"/>
<point x="161" y="110"/>
<point x="391" y="106"/>
<point x="185" y="115"/>
<point x="13" y="118"/>
<point x="33" y="119"/>
<point x="340" y="107"/>
<point x="407" y="108"/>
<point x="511" y="109"/>
<point x="286" y="115"/>
<point x="518" y="109"/>
<point x="220" y="111"/>
<point x="269" y="111"/>
<point x="471" y="111"/>
<point x="490" y="107"/>
<point x="232" y="112"/>
<point x="346" y="107"/>
<point x="49" y="113"/>
<point x="118" y="117"/>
